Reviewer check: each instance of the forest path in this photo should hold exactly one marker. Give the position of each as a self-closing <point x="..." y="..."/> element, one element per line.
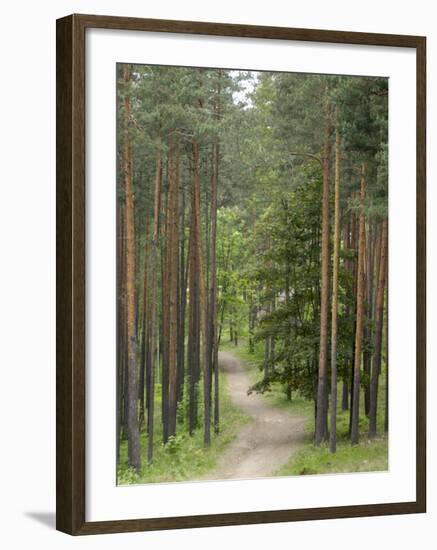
<point x="267" y="441"/>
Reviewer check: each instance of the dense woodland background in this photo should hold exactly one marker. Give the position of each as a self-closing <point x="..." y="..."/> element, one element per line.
<point x="252" y="213"/>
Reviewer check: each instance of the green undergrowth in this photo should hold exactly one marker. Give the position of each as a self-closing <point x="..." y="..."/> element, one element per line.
<point x="367" y="456"/>
<point x="276" y="396"/>
<point x="184" y="457"/>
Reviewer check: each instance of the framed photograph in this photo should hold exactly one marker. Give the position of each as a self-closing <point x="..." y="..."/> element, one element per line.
<point x="240" y="274"/>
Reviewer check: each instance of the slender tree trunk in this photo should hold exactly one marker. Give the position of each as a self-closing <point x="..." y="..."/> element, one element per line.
<point x="145" y="363"/>
<point x="134" y="453"/>
<point x="252" y="317"/>
<point x="172" y="266"/>
<point x="345" y="396"/>
<point x="375" y="274"/>
<point x="125" y="423"/>
<point x="360" y="315"/>
<point x="213" y="276"/>
<point x="120" y="325"/>
<point x="207" y="384"/>
<point x="154" y="309"/>
<point x="368" y="333"/>
<point x="288" y="392"/>
<point x="334" y="312"/>
<point x="210" y="364"/>
<point x="322" y="401"/>
<point x="354" y="272"/>
<point x="165" y="298"/>
<point x="347" y="244"/>
<point x="379" y="314"/>
<point x="194" y="286"/>
<point x="182" y="299"/>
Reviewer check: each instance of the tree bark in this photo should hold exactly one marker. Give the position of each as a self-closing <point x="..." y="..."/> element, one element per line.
<point x="134" y="453"/>
<point x="182" y="300"/>
<point x="213" y="277"/>
<point x="334" y="311"/>
<point x="194" y="318"/>
<point x="120" y="327"/>
<point x="345" y="396"/>
<point x="379" y="315"/>
<point x="165" y="299"/>
<point x="368" y="332"/>
<point x="154" y="309"/>
<point x="360" y="314"/>
<point x="144" y="362"/>
<point x="172" y="252"/>
<point x="322" y="401"/>
<point x="354" y="272"/>
<point x="347" y="244"/>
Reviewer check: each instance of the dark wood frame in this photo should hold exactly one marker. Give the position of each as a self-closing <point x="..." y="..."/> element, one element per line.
<point x="70" y="298"/>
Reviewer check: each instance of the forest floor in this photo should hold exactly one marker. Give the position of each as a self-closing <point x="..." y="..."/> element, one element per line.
<point x="270" y="438"/>
<point x="185" y="458"/>
<point x="305" y="458"/>
<point x="260" y="435"/>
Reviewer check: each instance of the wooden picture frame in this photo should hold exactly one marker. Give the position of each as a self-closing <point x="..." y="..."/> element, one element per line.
<point x="71" y="283"/>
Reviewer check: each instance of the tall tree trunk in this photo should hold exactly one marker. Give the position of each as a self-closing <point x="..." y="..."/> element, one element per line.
<point x="347" y="244"/>
<point x="144" y="362"/>
<point x="354" y="272"/>
<point x="267" y="347"/>
<point x="368" y="332"/>
<point x="120" y="327"/>
<point x="172" y="252"/>
<point x="134" y="453"/>
<point x="345" y="396"/>
<point x="194" y="317"/>
<point x="211" y="310"/>
<point x="360" y="315"/>
<point x="322" y="401"/>
<point x="213" y="276"/>
<point x="379" y="314"/>
<point x="182" y="300"/>
<point x="334" y="311"/>
<point x="165" y="299"/>
<point x="251" y="324"/>
<point x="154" y="309"/>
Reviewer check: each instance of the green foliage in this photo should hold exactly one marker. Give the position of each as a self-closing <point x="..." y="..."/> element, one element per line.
<point x="276" y="395"/>
<point x="273" y="276"/>
<point x="183" y="457"/>
<point x="368" y="456"/>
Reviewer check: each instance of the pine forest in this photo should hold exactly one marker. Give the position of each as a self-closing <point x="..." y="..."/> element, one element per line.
<point x="252" y="274"/>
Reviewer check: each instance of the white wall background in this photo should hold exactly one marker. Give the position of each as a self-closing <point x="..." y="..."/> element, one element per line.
<point x="27" y="273"/>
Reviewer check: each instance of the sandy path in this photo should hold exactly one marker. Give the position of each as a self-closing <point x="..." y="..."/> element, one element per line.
<point x="267" y="441"/>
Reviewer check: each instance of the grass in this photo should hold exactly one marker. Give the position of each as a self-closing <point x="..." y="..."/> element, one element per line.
<point x="367" y="456"/>
<point x="184" y="457"/>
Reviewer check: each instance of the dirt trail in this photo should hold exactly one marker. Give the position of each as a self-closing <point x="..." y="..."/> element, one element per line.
<point x="267" y="441"/>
